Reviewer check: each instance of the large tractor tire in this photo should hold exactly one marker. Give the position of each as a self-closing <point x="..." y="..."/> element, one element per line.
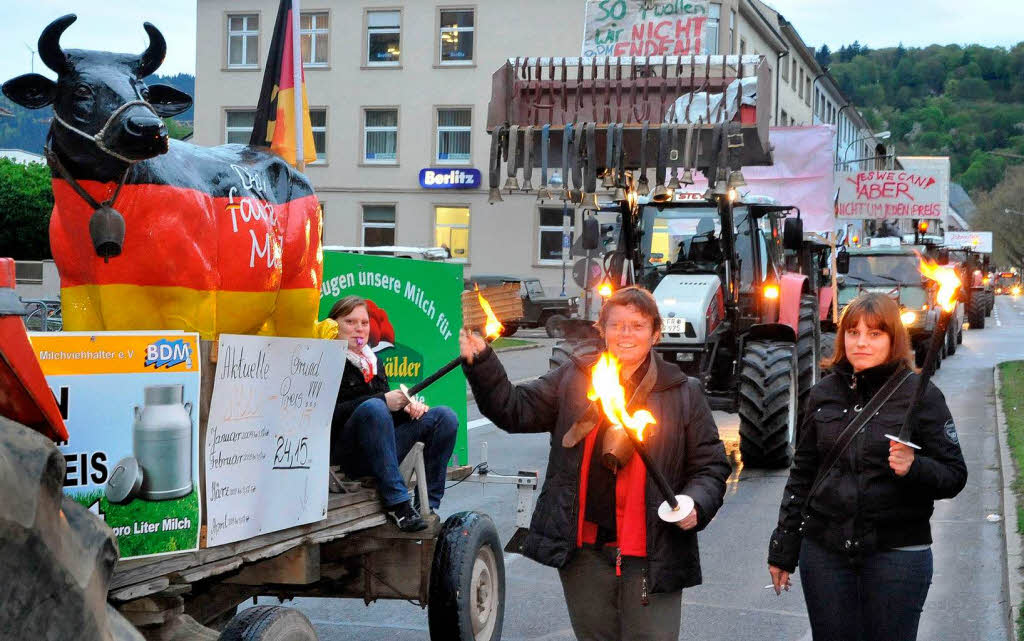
<point x="56" y="558"/>
<point x="951" y="340"/>
<point x="828" y="345"/>
<point x="467" y="581"/>
<point x="990" y="303"/>
<point x="553" y="326"/>
<point x="807" y="349"/>
<point x="562" y="351"/>
<point x="269" y="623"/>
<point x="976" y="311"/>
<point x="768" y="404"/>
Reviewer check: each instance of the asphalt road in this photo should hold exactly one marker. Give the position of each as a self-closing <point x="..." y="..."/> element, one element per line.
<point x="966" y="601"/>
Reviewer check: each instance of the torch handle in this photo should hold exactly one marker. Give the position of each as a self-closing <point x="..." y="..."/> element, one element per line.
<point x="433" y="378"/>
<point x="652" y="469"/>
<point x="934" y="345"/>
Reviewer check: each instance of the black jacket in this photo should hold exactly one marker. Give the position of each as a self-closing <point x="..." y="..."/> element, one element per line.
<point x="684" y="445"/>
<point x="354" y="391"/>
<point x="862" y="505"/>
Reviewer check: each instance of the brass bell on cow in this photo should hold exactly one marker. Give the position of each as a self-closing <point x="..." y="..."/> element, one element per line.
<point x="106" y="228"/>
<point x="736" y="180"/>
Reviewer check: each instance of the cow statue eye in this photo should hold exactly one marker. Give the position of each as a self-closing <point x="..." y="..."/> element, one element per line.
<point x="145" y="94"/>
<point x="83" y="91"/>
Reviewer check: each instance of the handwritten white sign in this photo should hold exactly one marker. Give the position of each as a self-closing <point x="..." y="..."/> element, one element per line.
<point x="268" y="434"/>
<point x="889" y="194"/>
<point x="636" y="28"/>
<point x="979" y="241"/>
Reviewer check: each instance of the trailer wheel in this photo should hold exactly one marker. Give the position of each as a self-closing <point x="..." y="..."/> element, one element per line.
<point x="976" y="312"/>
<point x="553" y="326"/>
<point x="807" y="348"/>
<point x="269" y="623"/>
<point x="561" y="353"/>
<point x="951" y="340"/>
<point x="768" y="404"/>
<point x="467" y="581"/>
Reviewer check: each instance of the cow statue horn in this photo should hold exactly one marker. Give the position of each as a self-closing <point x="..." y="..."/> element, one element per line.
<point x="49" y="44"/>
<point x="153" y="56"/>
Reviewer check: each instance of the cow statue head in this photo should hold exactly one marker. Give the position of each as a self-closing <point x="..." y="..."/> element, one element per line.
<point x="105" y="117"/>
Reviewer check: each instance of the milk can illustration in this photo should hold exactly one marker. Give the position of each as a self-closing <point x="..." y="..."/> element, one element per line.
<point x="162" y="440"/>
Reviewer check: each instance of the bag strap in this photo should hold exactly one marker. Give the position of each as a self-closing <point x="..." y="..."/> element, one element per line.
<point x="846" y="437"/>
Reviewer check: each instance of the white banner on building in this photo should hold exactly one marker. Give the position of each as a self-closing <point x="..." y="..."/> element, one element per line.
<point x="627" y="28"/>
<point x="979" y="241"/>
<point x="891" y="194"/>
<point x="268" y="434"/>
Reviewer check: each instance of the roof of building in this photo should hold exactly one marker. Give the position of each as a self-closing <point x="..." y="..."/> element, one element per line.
<point x="961" y="201"/>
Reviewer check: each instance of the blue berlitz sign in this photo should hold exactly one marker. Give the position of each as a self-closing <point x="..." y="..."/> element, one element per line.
<point x="449" y="178"/>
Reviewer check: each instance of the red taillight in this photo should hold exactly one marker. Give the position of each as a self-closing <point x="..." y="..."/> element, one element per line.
<point x="715" y="312"/>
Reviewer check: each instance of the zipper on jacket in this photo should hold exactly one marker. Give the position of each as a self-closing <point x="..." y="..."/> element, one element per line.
<point x="618" y="561"/>
<point x="644" y="601"/>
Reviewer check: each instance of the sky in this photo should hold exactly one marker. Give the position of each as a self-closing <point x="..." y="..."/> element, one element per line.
<point x="116" y="25"/>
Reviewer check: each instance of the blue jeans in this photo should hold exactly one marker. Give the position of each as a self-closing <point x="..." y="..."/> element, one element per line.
<point x="877" y="597"/>
<point x="371" y="444"/>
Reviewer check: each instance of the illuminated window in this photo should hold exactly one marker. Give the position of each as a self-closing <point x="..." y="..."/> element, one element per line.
<point x="313" y="32"/>
<point x="383" y="38"/>
<point x="243" y="40"/>
<point x="457" y="30"/>
<point x="451" y="230"/>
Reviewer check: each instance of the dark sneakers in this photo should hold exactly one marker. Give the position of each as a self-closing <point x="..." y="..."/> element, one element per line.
<point x="406" y="517"/>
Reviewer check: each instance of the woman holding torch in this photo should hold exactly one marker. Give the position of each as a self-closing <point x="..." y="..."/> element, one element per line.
<point x="597" y="516"/>
<point x="855" y="512"/>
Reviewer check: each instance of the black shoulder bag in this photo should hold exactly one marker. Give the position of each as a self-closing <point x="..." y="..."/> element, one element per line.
<point x="846" y="437"/>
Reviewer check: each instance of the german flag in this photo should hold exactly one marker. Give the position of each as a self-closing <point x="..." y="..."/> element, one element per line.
<point x="275" y="113"/>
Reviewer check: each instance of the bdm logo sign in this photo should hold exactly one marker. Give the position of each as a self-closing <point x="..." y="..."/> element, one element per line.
<point x="450" y="178"/>
<point x="167" y="354"/>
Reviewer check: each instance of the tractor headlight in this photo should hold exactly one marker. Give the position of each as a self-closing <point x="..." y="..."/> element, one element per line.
<point x="908" y="318"/>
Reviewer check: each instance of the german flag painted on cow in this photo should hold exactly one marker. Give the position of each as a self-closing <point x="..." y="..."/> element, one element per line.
<point x="275" y="112"/>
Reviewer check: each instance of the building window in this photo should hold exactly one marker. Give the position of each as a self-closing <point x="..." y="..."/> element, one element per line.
<point x="794" y="74"/>
<point x="807" y="90"/>
<point x="732" y="31"/>
<point x="243" y="40"/>
<point x="453" y="136"/>
<point x="451" y="230"/>
<point x="743" y="47"/>
<point x="800" y="87"/>
<point x="783" y="117"/>
<point x="549" y="234"/>
<point x="383" y="38"/>
<point x="380" y="136"/>
<point x="318" y="120"/>
<point x="313" y="31"/>
<point x="457" y="36"/>
<point x="784" y="70"/>
<point x="378" y="225"/>
<point x="239" y="124"/>
<point x="711" y="29"/>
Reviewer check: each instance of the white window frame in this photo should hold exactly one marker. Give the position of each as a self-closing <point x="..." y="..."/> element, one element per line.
<point x="366" y="48"/>
<point x="711" y="45"/>
<point x="365" y="225"/>
<point x="437" y="225"/>
<point x="228" y="129"/>
<point x="366" y="130"/>
<point x="313" y="32"/>
<point x="443" y="29"/>
<point x="542" y="229"/>
<point x="321" y="154"/>
<point x="244" y="35"/>
<point x="438" y="129"/>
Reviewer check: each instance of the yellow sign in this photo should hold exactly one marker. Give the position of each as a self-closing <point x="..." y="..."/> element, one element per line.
<point x="68" y="353"/>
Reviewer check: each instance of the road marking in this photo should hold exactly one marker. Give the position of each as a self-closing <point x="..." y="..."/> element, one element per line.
<point x="480" y="422"/>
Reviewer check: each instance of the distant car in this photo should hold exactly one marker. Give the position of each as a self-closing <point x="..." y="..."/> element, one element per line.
<point x="539" y="310"/>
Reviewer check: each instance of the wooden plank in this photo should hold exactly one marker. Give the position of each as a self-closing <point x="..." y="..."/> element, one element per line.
<point x="139" y="590"/>
<point x="297" y="566"/>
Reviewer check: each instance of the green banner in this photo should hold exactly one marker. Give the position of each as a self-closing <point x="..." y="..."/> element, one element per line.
<point x="415" y="316"/>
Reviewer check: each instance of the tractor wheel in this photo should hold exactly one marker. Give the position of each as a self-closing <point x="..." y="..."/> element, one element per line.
<point x="553" y="326"/>
<point x="467" y="581"/>
<point x="768" y="404"/>
<point x="990" y="303"/>
<point x="560" y="354"/>
<point x="976" y="312"/>
<point x="269" y="623"/>
<point x="828" y="345"/>
<point x="807" y="349"/>
<point x="510" y="329"/>
<point x="951" y="341"/>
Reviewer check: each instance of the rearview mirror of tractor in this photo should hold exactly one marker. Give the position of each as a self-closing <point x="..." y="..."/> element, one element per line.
<point x="793" y="234"/>
<point x="843" y="262"/>
<point x="591" y="233"/>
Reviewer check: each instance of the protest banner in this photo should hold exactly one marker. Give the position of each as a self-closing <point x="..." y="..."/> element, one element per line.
<point x="130" y="402"/>
<point x="979" y="241"/>
<point x="268" y="435"/>
<point x="891" y="194"/>
<point x="636" y="28"/>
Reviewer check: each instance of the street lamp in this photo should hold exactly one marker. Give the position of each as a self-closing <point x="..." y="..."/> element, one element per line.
<point x="882" y="135"/>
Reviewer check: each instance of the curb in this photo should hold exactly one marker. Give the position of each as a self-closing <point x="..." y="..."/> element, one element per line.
<point x="1012" y="575"/>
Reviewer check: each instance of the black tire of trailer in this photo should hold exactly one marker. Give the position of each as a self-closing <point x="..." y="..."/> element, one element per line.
<point x="976" y="312"/>
<point x="767" y="404"/>
<point x="828" y="345"/>
<point x="553" y="326"/>
<point x="990" y="303"/>
<point x="510" y="329"/>
<point x="951" y="339"/>
<point x="561" y="352"/>
<point x="807" y="348"/>
<point x="269" y="623"/>
<point x="467" y="581"/>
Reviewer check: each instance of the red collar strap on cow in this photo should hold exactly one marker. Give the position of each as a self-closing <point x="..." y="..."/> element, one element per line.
<point x="97" y="138"/>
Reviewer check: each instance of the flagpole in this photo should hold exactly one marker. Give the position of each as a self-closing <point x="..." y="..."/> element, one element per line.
<point x="300" y="155"/>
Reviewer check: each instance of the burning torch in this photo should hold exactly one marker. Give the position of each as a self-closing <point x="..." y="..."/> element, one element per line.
<point x="606" y="388"/>
<point x="492" y="330"/>
<point x="949" y="283"/>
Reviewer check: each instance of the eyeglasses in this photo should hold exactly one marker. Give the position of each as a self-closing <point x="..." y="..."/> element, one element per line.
<point x="633" y="327"/>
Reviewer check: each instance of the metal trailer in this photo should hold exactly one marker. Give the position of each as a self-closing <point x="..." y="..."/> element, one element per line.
<point x="454" y="569"/>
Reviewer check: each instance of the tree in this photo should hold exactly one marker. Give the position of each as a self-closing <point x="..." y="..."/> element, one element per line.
<point x="26" y="200"/>
<point x="823" y="56"/>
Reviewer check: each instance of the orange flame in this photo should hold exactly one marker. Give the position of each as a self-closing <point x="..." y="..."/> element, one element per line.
<point x="947" y="279"/>
<point x="493" y="328"/>
<point x="605" y="386"/>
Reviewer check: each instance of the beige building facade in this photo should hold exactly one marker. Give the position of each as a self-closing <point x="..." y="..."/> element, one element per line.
<point x="400" y="86"/>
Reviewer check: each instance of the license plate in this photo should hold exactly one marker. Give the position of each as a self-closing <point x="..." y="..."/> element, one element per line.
<point x="684" y="356"/>
<point x="673" y="325"/>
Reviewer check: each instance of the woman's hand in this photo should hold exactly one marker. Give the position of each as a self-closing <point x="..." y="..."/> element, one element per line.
<point x="416" y="409"/>
<point x="689" y="522"/>
<point x="396" y="400"/>
<point x="901" y="457"/>
<point x="780" y="579"/>
<point x="470" y="345"/>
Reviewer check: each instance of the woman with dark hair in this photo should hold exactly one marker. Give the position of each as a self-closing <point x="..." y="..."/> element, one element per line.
<point x="374" y="427"/>
<point x="855" y="512"/>
<point x="597" y="516"/>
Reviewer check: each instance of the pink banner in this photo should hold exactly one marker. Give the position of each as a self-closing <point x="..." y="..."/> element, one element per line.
<point x="802" y="175"/>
